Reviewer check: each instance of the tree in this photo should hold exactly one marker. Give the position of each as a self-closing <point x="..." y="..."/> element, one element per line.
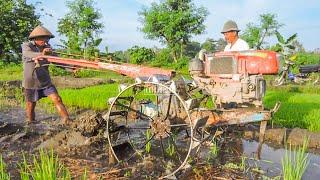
<point x="209" y="45"/>
<point x="285" y="46"/>
<point x="140" y="55"/>
<point x="192" y="48"/>
<point x="17" y="20"/>
<point x="255" y="34"/>
<point x="81" y="27"/>
<point x="221" y="44"/>
<point x="173" y="22"/>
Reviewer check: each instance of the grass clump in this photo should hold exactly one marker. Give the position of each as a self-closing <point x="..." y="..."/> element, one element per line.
<point x="4" y="175"/>
<point x="213" y="149"/>
<point x="46" y="166"/>
<point x="299" y="107"/>
<point x="295" y="163"/>
<point x="94" y="97"/>
<point x="148" y="137"/>
<point x="9" y="72"/>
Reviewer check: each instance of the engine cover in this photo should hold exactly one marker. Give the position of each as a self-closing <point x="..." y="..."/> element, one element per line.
<point x="236" y="77"/>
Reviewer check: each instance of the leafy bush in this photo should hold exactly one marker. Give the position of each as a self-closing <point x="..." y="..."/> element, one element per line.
<point x="140" y="55"/>
<point x="58" y="71"/>
<point x="163" y="58"/>
<point x="305" y="59"/>
<point x="183" y="63"/>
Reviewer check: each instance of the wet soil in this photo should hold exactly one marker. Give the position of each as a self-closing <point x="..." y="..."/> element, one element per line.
<point x="83" y="145"/>
<point x="76" y="146"/>
<point x="284" y="136"/>
<point x="63" y="82"/>
<point x="71" y="82"/>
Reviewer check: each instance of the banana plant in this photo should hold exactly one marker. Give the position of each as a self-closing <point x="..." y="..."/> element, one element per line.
<point x="286" y="48"/>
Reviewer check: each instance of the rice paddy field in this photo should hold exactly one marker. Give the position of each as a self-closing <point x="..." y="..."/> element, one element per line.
<point x="10" y="72"/>
<point x="300" y="105"/>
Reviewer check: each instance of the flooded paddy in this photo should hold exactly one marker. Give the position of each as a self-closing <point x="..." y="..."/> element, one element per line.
<point x="84" y="147"/>
<point x="80" y="147"/>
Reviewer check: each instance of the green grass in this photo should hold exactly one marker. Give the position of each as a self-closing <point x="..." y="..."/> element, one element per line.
<point x="295" y="162"/>
<point x="213" y="149"/>
<point x="84" y="73"/>
<point x="148" y="145"/>
<point x="46" y="166"/>
<point x="10" y="72"/>
<point x="300" y="104"/>
<point x="299" y="108"/>
<point x="3" y="171"/>
<point x="94" y="97"/>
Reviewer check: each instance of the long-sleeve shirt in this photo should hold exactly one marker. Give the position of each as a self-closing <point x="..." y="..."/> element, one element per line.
<point x="34" y="78"/>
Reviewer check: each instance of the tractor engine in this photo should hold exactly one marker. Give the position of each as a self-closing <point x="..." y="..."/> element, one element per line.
<point x="234" y="78"/>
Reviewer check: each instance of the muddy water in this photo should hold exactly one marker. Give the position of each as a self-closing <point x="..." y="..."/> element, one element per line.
<point x="14" y="139"/>
<point x="16" y="115"/>
<point x="270" y="161"/>
<point x="231" y="150"/>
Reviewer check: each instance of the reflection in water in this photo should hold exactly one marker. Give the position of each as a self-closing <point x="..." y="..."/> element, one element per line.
<point x="231" y="150"/>
<point x="271" y="160"/>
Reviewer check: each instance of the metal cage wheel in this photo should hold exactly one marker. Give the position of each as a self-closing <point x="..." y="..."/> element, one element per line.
<point x="148" y="123"/>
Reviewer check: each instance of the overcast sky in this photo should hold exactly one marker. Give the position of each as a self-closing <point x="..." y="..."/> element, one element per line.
<point x="121" y="20"/>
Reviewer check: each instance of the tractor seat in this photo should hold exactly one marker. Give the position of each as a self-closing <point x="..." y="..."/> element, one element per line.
<point x="309" y="68"/>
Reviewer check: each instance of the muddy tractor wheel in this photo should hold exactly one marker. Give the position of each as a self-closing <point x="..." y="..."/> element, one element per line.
<point x="150" y="127"/>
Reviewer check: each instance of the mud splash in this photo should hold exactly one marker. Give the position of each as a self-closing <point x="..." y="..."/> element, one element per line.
<point x="84" y="146"/>
<point x="76" y="144"/>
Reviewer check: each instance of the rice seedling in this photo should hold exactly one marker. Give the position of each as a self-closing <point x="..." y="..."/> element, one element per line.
<point x="24" y="169"/>
<point x="170" y="150"/>
<point x="213" y="149"/>
<point x="297" y="109"/>
<point x="94" y="97"/>
<point x="4" y="175"/>
<point x="148" y="145"/>
<point x="295" y="162"/>
<point x="243" y="163"/>
<point x="46" y="166"/>
<point x="10" y="72"/>
<point x="84" y="175"/>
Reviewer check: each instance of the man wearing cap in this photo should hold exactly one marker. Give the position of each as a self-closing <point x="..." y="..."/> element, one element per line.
<point x="37" y="82"/>
<point x="230" y="31"/>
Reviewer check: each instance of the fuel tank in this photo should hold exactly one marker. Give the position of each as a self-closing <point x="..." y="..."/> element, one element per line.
<point x="243" y="62"/>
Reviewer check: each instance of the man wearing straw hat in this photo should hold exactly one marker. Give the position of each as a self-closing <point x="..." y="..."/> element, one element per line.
<point x="37" y="82"/>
